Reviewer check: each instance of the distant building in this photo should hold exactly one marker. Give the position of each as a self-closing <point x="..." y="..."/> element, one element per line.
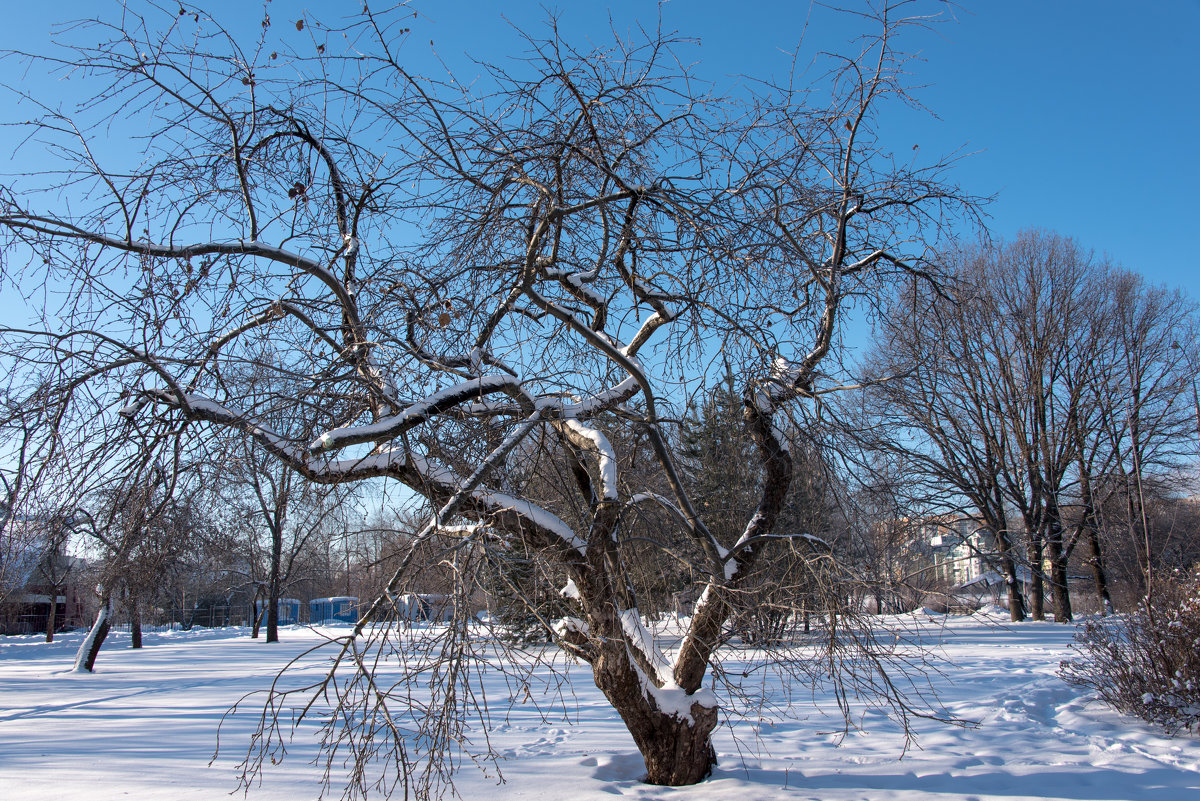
<point x="424" y="606"/>
<point x="41" y="578"/>
<point x="966" y="558"/>
<point x="962" y="550"/>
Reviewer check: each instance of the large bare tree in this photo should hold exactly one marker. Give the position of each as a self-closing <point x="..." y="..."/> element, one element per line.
<point x="456" y="282"/>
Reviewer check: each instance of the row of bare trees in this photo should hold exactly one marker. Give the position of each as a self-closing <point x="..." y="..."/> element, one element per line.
<point x="1050" y="396"/>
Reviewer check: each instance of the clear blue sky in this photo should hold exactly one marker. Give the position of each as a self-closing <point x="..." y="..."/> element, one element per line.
<point x="1081" y="117"/>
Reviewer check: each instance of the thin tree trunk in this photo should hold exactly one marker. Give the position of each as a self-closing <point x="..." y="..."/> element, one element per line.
<point x="52" y="618"/>
<point x="1095" y="558"/>
<point x="255" y="615"/>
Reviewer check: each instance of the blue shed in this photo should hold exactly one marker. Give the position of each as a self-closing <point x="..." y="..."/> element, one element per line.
<point x="338" y="609"/>
<point x="289" y="611"/>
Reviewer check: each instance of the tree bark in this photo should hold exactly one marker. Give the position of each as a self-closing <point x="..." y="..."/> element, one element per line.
<point x="89" y="649"/>
<point x="273" y="584"/>
<point x="52" y="617"/>
<point x="1060" y="591"/>
<point x="1099" y="574"/>
<point x="1037" y="589"/>
<point x="256" y="616"/>
<point x="135" y="623"/>
<point x="677" y="749"/>
<point x="1016" y="603"/>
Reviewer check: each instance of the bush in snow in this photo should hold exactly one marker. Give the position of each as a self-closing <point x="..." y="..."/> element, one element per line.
<point x="1148" y="663"/>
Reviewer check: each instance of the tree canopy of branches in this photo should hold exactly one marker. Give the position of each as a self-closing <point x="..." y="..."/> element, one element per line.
<point x="441" y="282"/>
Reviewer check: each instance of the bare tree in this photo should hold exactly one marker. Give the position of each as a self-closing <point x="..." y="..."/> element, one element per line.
<point x="453" y="280"/>
<point x="264" y="497"/>
<point x="1015" y="390"/>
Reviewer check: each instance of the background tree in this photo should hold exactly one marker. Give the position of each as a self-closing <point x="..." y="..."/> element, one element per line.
<point x="453" y="277"/>
<point x="293" y="514"/>
<point x="1005" y="390"/>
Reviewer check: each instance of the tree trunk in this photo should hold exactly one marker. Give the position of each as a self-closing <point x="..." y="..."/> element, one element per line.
<point x="1099" y="574"/>
<point x="273" y="585"/>
<point x="677" y="749"/>
<point x="52" y="618"/>
<point x="677" y="752"/>
<point x="135" y="623"/>
<point x="85" y="658"/>
<point x="255" y="616"/>
<point x="1060" y="590"/>
<point x="1037" y="590"/>
<point x="1016" y="604"/>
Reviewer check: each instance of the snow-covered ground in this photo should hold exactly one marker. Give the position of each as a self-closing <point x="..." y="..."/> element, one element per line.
<point x="144" y="727"/>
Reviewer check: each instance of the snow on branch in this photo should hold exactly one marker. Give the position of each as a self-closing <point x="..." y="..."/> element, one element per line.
<point x="418" y="412"/>
<point x="592" y="440"/>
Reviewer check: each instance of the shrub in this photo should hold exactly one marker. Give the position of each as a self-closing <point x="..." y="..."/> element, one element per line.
<point x="1147" y="663"/>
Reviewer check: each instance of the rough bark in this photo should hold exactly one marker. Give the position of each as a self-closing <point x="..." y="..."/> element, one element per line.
<point x="677" y="750"/>
<point x="1016" y="603"/>
<point x="1099" y="573"/>
<point x="1037" y="586"/>
<point x="1060" y="591"/>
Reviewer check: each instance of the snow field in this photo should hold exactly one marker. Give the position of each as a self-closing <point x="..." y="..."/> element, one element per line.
<point x="144" y="727"/>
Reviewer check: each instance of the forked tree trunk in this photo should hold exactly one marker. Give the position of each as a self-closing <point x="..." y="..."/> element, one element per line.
<point x="676" y="745"/>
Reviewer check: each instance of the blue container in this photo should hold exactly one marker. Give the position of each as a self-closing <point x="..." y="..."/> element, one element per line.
<point x="289" y="611"/>
<point x="332" y="611"/>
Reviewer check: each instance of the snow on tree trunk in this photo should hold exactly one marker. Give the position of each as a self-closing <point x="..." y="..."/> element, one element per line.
<point x="85" y="658"/>
<point x="671" y="728"/>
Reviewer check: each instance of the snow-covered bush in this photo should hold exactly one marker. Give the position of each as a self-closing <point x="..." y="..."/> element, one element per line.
<point x="1147" y="663"/>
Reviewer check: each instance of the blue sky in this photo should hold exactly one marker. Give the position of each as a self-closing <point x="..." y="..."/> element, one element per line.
<point x="1080" y="117"/>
